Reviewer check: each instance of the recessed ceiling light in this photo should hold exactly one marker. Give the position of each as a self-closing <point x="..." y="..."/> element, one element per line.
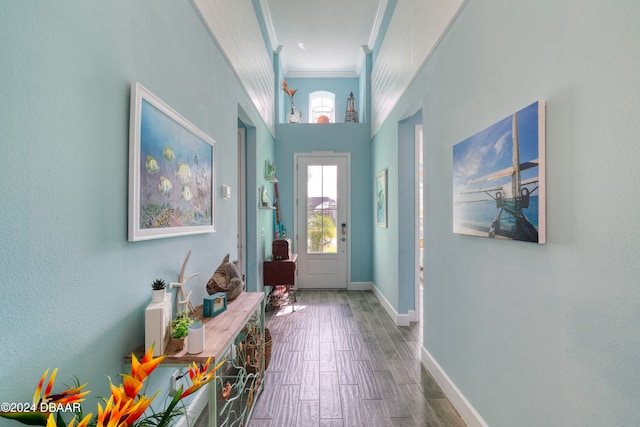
<point x="301" y="46"/>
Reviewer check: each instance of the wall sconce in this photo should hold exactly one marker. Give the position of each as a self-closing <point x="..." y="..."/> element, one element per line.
<point x="226" y="192"/>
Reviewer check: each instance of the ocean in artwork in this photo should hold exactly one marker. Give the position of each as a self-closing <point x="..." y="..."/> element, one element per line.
<point x="176" y="170"/>
<point x="498" y="179"/>
<point x="477" y="217"/>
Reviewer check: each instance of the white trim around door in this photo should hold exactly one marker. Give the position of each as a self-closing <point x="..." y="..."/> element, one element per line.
<point x="322" y="230"/>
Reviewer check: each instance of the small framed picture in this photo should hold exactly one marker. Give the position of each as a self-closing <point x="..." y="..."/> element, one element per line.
<point x="214" y="304"/>
<point x="381" y="199"/>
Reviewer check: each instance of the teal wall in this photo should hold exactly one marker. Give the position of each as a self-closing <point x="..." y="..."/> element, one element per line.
<point x="258" y="148"/>
<point x="341" y="138"/>
<point x="531" y="335"/>
<point x="407" y="177"/>
<point x="364" y="80"/>
<point x="73" y="289"/>
<point x="341" y="87"/>
<point x="385" y="240"/>
<point x="394" y="246"/>
<point x="534" y="335"/>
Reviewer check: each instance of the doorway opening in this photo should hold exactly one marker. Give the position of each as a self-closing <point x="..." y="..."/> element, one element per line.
<point x="419" y="223"/>
<point x="242" y="200"/>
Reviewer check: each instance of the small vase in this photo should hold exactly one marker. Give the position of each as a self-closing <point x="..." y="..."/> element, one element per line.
<point x="157" y="295"/>
<point x="295" y="116"/>
<point x="195" y="344"/>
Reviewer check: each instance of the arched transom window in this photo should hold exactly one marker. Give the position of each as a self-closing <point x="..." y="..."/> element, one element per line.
<point x="322" y="103"/>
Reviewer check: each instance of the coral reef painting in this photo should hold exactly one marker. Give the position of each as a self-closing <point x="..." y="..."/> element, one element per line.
<point x="172" y="172"/>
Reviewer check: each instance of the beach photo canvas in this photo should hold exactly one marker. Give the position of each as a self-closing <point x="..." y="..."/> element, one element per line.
<point x="498" y="179"/>
<point x="171" y="172"/>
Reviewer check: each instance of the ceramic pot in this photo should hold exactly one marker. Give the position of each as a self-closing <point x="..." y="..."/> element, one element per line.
<point x="158" y="295"/>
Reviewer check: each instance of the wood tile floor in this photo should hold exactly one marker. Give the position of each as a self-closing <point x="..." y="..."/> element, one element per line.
<point x="339" y="360"/>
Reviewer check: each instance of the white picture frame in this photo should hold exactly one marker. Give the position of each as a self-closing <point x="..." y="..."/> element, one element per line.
<point x="171" y="171"/>
<point x="381" y="198"/>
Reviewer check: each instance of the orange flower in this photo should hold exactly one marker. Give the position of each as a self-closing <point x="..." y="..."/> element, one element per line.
<point x="36" y="417"/>
<point x="122" y="404"/>
<point x="126" y="405"/>
<point x="113" y="415"/>
<point x="288" y="91"/>
<point x="122" y="409"/>
<point x="83" y="423"/>
<point x="121" y="414"/>
<point x="200" y="375"/>
<point x="126" y="392"/>
<point x="136" y="411"/>
<point x="51" y="421"/>
<point x="69" y="395"/>
<point x="131" y="386"/>
<point x="141" y="369"/>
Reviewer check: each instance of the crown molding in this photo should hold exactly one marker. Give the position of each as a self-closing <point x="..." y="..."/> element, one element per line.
<point x="321" y="74"/>
<point x="268" y="22"/>
<point x="377" y="23"/>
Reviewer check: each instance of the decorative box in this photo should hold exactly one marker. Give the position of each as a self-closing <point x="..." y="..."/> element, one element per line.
<point x="214" y="304"/>
<point x="157" y="317"/>
<point x="281" y="249"/>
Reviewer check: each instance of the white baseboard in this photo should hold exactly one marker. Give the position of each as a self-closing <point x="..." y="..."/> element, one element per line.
<point x="398" y="319"/>
<point x="195" y="408"/>
<point x="360" y="286"/>
<point x="455" y="396"/>
<point x="403" y="320"/>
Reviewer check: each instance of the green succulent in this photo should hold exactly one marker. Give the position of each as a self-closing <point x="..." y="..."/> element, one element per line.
<point x="180" y="324"/>
<point x="158" y="285"/>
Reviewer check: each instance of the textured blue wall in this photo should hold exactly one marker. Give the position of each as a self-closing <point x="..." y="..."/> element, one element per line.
<point x="535" y="335"/>
<point x="73" y="289"/>
<point x="341" y="138"/>
<point x="385" y="240"/>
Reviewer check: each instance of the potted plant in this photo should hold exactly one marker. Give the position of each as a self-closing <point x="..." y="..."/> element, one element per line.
<point x="158" y="290"/>
<point x="179" y="331"/>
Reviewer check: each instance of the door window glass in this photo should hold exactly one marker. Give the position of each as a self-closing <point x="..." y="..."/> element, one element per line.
<point x="322" y="196"/>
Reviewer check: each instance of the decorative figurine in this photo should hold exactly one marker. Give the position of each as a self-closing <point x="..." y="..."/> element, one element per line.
<point x="184" y="304"/>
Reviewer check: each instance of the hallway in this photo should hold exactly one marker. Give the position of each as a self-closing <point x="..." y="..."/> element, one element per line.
<point x="339" y="360"/>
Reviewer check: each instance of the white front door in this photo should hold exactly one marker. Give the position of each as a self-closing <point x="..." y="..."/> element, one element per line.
<point x="322" y="220"/>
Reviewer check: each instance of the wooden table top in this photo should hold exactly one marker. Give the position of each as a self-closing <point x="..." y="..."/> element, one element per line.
<point x="219" y="331"/>
<point x="292" y="258"/>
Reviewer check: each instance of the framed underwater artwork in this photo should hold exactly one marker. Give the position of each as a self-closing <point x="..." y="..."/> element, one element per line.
<point x="381" y="207"/>
<point x="499" y="179"/>
<point x="171" y="171"/>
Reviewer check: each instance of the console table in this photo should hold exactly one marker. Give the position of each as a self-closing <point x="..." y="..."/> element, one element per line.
<point x="222" y="334"/>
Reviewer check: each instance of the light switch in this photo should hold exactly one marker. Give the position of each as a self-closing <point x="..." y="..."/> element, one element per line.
<point x="226" y="192"/>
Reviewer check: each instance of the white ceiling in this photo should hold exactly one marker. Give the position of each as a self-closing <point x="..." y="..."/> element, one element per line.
<point x="322" y="38"/>
<point x="333" y="33"/>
